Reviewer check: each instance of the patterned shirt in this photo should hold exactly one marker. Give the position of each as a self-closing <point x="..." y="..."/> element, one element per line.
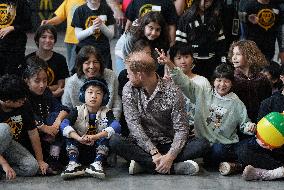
<point x="156" y="119"/>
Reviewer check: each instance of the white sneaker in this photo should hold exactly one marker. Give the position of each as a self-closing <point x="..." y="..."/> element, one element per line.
<point x="96" y="170"/>
<point x="72" y="170"/>
<point x="187" y="167"/>
<point x="135" y="168"/>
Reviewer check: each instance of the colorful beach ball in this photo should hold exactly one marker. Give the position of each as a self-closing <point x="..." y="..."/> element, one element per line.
<point x="270" y="130"/>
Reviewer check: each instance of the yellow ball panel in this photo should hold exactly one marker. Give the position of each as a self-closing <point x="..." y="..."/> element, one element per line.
<point x="269" y="134"/>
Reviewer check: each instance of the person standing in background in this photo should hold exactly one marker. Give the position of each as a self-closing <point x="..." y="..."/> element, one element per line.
<point x="261" y="23"/>
<point x="65" y="12"/>
<point x="15" y="22"/>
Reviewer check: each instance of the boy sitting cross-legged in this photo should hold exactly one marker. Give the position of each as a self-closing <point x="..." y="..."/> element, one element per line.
<point x="87" y="129"/>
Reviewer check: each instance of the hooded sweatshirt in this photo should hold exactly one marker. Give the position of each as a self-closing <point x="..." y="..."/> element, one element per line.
<point x="216" y="118"/>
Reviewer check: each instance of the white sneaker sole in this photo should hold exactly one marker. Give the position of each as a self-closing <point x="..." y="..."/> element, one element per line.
<point x="72" y="175"/>
<point x="95" y="174"/>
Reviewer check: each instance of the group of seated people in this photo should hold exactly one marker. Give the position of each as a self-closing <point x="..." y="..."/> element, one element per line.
<point x="171" y="120"/>
<point x="167" y="108"/>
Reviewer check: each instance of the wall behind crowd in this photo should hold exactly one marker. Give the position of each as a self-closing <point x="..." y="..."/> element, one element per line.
<point x="44" y="9"/>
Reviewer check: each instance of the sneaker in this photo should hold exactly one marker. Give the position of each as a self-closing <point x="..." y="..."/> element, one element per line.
<point x="251" y="173"/>
<point x="187" y="167"/>
<point x="72" y="170"/>
<point x="226" y="168"/>
<point x="96" y="170"/>
<point x="135" y="168"/>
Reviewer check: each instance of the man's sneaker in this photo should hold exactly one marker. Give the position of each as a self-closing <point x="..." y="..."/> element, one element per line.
<point x="72" y="170"/>
<point x="135" y="168"/>
<point x="226" y="168"/>
<point x="187" y="167"/>
<point x="96" y="170"/>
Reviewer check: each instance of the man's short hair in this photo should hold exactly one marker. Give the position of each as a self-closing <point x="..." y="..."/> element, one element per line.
<point x="140" y="61"/>
<point x="12" y="88"/>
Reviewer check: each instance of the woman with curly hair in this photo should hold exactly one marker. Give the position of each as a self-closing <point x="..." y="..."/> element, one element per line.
<point x="250" y="85"/>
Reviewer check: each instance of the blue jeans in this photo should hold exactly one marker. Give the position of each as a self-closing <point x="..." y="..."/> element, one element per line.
<point x="48" y="142"/>
<point x="71" y="56"/>
<point x="224" y="153"/>
<point x="19" y="158"/>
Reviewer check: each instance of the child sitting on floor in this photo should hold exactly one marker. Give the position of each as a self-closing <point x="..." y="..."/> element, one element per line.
<point x="87" y="129"/>
<point x="218" y="112"/>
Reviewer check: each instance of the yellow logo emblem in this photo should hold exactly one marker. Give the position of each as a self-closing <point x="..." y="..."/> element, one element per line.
<point x="188" y="3"/>
<point x="50" y="76"/>
<point x="145" y="9"/>
<point x="7" y="15"/>
<point x="89" y="23"/>
<point x="266" y="18"/>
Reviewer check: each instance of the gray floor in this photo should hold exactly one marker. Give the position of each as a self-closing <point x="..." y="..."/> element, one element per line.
<point x="118" y="178"/>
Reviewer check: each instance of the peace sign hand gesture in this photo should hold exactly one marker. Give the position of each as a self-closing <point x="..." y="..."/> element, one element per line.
<point x="163" y="59"/>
